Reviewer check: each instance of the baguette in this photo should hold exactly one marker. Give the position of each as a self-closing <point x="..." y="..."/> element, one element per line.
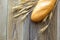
<point x="42" y="9"/>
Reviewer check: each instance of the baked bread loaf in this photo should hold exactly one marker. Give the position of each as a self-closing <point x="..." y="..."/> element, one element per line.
<point x="42" y="9"/>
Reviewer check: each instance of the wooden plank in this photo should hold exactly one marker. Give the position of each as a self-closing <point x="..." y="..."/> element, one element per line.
<point x="58" y="21"/>
<point x="3" y="19"/>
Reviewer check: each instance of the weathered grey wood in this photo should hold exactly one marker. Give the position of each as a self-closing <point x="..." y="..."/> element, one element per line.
<point x="3" y="19"/>
<point x="58" y="21"/>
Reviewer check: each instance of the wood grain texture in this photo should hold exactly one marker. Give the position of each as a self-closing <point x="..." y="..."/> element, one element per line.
<point x="28" y="30"/>
<point x="3" y="19"/>
<point x="58" y="21"/>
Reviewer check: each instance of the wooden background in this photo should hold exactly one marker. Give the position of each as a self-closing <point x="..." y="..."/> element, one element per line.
<point x="3" y="19"/>
<point x="26" y="30"/>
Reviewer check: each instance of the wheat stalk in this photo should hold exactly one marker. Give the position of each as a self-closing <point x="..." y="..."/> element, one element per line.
<point x="23" y="10"/>
<point x="45" y="27"/>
